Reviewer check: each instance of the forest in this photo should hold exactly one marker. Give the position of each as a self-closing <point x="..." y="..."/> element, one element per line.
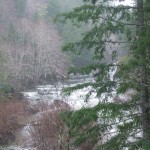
<point x="74" y="75"/>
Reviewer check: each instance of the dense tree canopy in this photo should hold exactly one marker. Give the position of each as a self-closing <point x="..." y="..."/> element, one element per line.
<point x="114" y="123"/>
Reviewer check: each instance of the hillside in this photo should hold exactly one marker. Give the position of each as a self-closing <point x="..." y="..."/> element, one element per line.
<point x="30" y="45"/>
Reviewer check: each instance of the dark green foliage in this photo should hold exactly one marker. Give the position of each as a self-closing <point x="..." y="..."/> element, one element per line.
<point x="6" y="89"/>
<point x="3" y="70"/>
<point x="6" y="92"/>
<point x="123" y="117"/>
<point x="69" y="32"/>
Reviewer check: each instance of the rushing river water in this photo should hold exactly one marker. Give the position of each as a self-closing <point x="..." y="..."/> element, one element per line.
<point x="49" y="93"/>
<point x="52" y="92"/>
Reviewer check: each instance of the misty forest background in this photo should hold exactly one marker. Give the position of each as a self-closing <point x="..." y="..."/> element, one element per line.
<point x="31" y="42"/>
<point x="105" y="41"/>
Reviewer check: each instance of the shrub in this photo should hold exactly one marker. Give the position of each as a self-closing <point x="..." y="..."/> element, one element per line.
<point x="10" y="111"/>
<point x="48" y="132"/>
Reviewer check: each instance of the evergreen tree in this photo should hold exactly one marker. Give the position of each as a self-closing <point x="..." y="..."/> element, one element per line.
<point x="113" y="125"/>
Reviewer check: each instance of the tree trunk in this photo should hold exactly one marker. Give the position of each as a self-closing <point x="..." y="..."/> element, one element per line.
<point x="143" y="73"/>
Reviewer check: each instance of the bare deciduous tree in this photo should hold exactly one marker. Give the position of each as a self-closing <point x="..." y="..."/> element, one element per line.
<point x="31" y="49"/>
<point x="48" y="131"/>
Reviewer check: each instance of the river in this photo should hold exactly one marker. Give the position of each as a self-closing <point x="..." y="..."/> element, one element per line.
<point x="49" y="93"/>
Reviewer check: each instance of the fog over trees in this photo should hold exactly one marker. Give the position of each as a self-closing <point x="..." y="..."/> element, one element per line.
<point x="30" y="44"/>
<point x="55" y="54"/>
